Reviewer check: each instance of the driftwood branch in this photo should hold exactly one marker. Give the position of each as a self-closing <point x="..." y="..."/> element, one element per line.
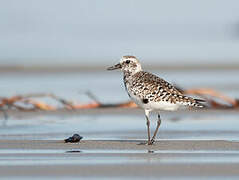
<point x="28" y="102"/>
<point x="211" y="95"/>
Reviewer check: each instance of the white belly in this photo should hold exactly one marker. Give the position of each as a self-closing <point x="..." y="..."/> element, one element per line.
<point x="154" y="106"/>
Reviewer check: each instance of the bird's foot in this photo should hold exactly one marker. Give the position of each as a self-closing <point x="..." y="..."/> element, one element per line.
<point x="146" y="143"/>
<point x="152" y="141"/>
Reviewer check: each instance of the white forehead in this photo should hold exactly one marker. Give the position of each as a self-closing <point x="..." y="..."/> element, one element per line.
<point x="131" y="58"/>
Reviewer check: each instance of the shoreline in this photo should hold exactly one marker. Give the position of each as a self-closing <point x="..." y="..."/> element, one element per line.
<point x="77" y="68"/>
<point x="160" y="145"/>
<point x="117" y="159"/>
<point x="111" y="111"/>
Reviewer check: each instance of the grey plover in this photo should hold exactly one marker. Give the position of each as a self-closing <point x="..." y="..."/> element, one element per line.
<point x="150" y="92"/>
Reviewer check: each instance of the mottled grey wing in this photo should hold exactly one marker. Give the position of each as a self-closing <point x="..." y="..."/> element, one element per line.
<point x="157" y="89"/>
<point x="161" y="84"/>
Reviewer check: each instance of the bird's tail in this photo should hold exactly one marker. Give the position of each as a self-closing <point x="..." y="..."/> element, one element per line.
<point x="198" y="103"/>
<point x="189" y="101"/>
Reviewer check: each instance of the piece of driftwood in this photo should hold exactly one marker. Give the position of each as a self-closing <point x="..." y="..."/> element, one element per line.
<point x="28" y="102"/>
<point x="211" y="96"/>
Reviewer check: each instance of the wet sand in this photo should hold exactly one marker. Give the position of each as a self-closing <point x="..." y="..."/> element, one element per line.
<point x="122" y="158"/>
<point x="192" y="145"/>
<point x="160" y="145"/>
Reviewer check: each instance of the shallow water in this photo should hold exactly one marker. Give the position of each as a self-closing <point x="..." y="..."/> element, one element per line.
<point x="108" y="88"/>
<point x="119" y="157"/>
<point x="34" y="162"/>
<point x="127" y="124"/>
<point x="182" y="125"/>
<point x="103" y="84"/>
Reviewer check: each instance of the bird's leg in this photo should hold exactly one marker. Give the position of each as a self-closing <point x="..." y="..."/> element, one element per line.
<point x="148" y="126"/>
<point x="156" y="130"/>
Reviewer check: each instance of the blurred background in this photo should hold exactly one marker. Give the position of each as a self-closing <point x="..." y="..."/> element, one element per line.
<point x="66" y="46"/>
<point x="97" y="33"/>
<point x="63" y="47"/>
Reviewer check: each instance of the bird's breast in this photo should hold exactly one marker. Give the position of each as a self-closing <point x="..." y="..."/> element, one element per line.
<point x="151" y="104"/>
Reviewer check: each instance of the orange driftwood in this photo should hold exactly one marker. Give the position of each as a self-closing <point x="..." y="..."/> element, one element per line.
<point x="40" y="105"/>
<point x="128" y="104"/>
<point x="6" y="103"/>
<point x="204" y="92"/>
<point x="9" y="101"/>
<point x="86" y="106"/>
<point x="20" y="102"/>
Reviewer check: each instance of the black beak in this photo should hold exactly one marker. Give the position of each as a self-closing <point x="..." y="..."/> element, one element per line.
<point x="117" y="66"/>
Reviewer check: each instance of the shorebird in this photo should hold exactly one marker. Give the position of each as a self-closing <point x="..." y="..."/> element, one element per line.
<point x="151" y="92"/>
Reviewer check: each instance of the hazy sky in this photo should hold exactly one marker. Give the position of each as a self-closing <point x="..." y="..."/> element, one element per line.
<point x="95" y="31"/>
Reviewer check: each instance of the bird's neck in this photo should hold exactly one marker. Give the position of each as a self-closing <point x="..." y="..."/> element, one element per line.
<point x="128" y="74"/>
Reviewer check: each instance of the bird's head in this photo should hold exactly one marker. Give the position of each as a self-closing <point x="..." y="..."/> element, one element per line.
<point x="128" y="64"/>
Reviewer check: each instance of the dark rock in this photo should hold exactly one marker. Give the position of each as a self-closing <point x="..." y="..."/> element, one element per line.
<point x="73" y="139"/>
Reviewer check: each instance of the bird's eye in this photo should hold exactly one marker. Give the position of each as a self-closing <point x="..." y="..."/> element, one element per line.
<point x="127" y="61"/>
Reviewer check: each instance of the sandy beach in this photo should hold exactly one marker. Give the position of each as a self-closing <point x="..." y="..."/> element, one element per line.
<point x="127" y="145"/>
<point x="194" y="144"/>
<point x="95" y="158"/>
<point x="188" y="147"/>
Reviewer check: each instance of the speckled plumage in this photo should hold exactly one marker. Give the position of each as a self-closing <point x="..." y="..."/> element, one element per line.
<point x="148" y="86"/>
<point x="150" y="92"/>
